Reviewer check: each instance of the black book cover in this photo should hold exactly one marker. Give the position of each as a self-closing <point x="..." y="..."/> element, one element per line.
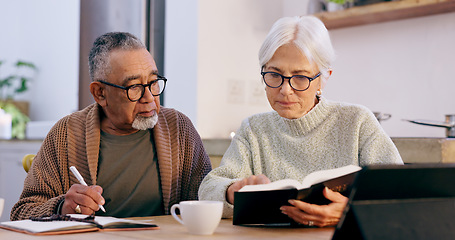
<point x="263" y="207"/>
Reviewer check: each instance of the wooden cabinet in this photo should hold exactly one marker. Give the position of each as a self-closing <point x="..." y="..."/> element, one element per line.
<point x="426" y="150"/>
<point x="412" y="150"/>
<point x="386" y="11"/>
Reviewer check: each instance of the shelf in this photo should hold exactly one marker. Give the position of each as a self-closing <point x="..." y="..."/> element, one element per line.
<point x="386" y="11"/>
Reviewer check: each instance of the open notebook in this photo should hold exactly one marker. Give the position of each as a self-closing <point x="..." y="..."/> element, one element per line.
<point x="63" y="227"/>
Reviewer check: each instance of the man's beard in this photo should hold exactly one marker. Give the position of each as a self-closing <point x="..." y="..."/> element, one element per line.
<point x="144" y="123"/>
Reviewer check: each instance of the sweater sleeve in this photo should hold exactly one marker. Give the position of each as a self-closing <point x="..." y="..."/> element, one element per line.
<point x="235" y="165"/>
<point x="44" y="184"/>
<point x="195" y="161"/>
<point x="375" y="146"/>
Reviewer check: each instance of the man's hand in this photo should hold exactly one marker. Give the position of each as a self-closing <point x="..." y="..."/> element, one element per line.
<point x="88" y="199"/>
<point x="318" y="215"/>
<point x="251" y="180"/>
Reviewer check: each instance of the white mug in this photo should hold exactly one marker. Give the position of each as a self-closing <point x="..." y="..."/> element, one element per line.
<point x="199" y="217"/>
<point x="2" y="202"/>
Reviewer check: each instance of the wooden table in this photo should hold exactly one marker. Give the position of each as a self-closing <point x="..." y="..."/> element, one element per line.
<point x="171" y="229"/>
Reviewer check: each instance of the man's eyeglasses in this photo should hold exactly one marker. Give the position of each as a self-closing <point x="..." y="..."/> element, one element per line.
<point x="297" y="82"/>
<point x="136" y="92"/>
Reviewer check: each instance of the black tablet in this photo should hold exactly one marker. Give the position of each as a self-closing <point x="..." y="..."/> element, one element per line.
<point x="414" y="201"/>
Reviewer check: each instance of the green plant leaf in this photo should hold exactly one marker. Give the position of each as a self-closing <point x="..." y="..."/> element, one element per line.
<point x="25" y="64"/>
<point x="8" y="86"/>
<point x="7" y="81"/>
<point x="19" y="120"/>
<point x="341" y="2"/>
<point x="23" y="86"/>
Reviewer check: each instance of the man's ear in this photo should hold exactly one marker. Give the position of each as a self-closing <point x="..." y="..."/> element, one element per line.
<point x="98" y="91"/>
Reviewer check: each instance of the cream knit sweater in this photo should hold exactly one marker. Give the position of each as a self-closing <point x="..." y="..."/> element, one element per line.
<point x="331" y="135"/>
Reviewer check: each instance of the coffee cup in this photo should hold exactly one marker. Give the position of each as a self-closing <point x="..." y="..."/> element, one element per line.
<point x="2" y="202"/>
<point x="199" y="217"/>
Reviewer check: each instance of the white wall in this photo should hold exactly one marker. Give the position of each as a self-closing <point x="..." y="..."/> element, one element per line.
<point x="211" y="58"/>
<point x="229" y="84"/>
<point x="400" y="67"/>
<point x="45" y="32"/>
<point x="404" y="68"/>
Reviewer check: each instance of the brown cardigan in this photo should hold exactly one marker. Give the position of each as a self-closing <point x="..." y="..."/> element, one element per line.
<point x="75" y="140"/>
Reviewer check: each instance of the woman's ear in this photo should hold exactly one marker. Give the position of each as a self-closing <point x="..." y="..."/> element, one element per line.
<point x="329" y="71"/>
<point x="325" y="78"/>
<point x="97" y="90"/>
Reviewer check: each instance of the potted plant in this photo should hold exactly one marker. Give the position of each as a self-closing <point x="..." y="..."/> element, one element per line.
<point x="335" y="5"/>
<point x="10" y="86"/>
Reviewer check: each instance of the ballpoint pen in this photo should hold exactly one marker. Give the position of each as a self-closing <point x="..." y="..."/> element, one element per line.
<point x="81" y="180"/>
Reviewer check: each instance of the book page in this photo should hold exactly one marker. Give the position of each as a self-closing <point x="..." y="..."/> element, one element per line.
<point x="280" y="184"/>
<point x="112" y="222"/>
<point x="310" y="179"/>
<point x="39" y="227"/>
<point x="324" y="175"/>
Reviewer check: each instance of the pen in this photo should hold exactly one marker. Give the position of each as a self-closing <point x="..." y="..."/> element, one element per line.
<point x="81" y="180"/>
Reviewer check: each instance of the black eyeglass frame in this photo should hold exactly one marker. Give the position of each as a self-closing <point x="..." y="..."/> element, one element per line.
<point x="149" y="85"/>
<point x="284" y="77"/>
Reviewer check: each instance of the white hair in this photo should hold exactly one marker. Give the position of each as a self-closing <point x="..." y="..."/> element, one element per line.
<point x="144" y="123"/>
<point x="99" y="56"/>
<point x="308" y="33"/>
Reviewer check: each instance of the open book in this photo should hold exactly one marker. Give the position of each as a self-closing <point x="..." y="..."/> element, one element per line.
<point x="63" y="227"/>
<point x="260" y="204"/>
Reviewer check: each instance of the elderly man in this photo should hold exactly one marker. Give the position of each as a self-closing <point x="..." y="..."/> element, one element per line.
<point x="137" y="157"/>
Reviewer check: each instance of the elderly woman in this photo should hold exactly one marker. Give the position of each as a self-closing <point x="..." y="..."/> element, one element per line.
<point x="305" y="132"/>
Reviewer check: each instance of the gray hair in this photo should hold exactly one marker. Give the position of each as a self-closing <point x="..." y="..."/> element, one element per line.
<point x="308" y="33"/>
<point x="98" y="59"/>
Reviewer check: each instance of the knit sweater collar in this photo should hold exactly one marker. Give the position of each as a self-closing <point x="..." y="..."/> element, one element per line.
<point x="306" y="123"/>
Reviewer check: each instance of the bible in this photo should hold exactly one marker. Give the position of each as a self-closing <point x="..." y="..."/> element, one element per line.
<point x="260" y="204"/>
<point x="75" y="223"/>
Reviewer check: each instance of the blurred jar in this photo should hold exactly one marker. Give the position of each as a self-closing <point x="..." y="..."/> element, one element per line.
<point x="382" y="116"/>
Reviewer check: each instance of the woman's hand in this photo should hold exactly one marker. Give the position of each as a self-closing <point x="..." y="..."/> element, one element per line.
<point x="86" y="197"/>
<point x="251" y="180"/>
<point x="317" y="215"/>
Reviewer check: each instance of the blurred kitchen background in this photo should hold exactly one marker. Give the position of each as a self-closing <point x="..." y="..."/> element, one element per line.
<point x="394" y="63"/>
<point x="208" y="51"/>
